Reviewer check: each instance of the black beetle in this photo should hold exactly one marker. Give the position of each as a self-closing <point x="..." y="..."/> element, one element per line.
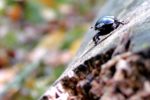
<point x="104" y="26"/>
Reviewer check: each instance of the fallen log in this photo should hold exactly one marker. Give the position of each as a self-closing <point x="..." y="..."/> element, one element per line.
<point x="118" y="68"/>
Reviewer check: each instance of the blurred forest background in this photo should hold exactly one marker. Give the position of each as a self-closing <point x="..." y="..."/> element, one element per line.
<point x="38" y="38"/>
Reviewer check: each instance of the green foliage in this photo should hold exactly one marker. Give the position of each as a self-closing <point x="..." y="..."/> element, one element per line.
<point x="32" y="12"/>
<point x="63" y="1"/>
<point x="57" y="71"/>
<point x="10" y="40"/>
<point x="10" y="2"/>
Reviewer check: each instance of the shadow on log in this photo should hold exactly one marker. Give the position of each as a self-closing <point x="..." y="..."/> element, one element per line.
<point x="118" y="68"/>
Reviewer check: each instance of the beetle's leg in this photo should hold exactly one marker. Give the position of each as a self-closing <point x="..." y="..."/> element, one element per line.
<point x="119" y="22"/>
<point x="115" y="25"/>
<point x="96" y="38"/>
<point x="122" y="23"/>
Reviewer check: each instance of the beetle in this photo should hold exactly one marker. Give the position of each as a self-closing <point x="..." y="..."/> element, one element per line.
<point x="104" y="26"/>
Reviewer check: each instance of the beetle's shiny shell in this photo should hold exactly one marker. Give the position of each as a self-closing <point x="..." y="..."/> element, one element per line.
<point x="104" y="21"/>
